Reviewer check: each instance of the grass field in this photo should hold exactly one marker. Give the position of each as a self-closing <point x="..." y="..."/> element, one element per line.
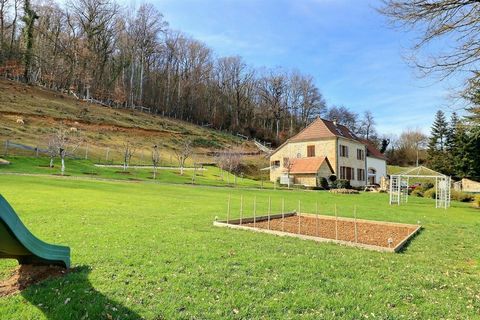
<point x="211" y="175"/>
<point x="143" y="250"/>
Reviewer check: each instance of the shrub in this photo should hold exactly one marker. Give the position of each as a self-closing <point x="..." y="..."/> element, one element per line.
<point x="323" y="183"/>
<point x="417" y="192"/>
<point x="430" y="193"/>
<point x="461" y="196"/>
<point x="205" y="143"/>
<point x="332" y="178"/>
<point x="476" y="201"/>
<point x="343" y="184"/>
<point x="426" y="186"/>
<point x="344" y="191"/>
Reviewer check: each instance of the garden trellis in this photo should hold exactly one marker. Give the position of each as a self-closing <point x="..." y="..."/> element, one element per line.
<point x="298" y="223"/>
<point x="399" y="185"/>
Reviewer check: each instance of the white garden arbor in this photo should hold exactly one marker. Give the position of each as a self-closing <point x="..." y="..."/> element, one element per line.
<point x="399" y="186"/>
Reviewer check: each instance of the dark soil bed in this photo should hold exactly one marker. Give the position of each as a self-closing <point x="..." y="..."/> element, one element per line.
<point x="370" y="233"/>
<point x="24" y="276"/>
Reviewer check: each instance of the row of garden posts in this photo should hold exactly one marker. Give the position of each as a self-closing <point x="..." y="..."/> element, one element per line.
<point x="299" y="229"/>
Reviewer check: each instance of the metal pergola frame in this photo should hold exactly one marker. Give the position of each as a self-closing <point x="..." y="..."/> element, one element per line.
<point x="399" y="186"/>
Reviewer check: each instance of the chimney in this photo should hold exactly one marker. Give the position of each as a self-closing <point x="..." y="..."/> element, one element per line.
<point x="335" y="122"/>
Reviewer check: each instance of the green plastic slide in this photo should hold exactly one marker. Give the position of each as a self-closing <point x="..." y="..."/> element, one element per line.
<point x="16" y="242"/>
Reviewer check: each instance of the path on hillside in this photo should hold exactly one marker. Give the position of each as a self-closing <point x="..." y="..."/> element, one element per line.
<point x="146" y="167"/>
<point x="156" y="182"/>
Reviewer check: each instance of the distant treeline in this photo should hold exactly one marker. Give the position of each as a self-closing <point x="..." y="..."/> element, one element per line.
<point x="101" y="50"/>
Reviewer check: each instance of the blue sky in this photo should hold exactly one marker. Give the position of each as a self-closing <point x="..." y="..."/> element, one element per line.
<point x="354" y="56"/>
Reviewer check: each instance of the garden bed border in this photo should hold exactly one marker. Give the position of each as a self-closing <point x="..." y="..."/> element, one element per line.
<point x="235" y="224"/>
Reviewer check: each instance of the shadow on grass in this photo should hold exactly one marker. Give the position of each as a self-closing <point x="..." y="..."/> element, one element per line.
<point x="405" y="246"/>
<point x="74" y="297"/>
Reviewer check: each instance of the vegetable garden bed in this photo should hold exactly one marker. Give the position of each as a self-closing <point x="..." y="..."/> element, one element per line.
<point x="367" y="234"/>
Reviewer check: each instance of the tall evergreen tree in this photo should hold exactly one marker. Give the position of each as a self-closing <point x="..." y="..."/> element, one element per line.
<point x="437" y="143"/>
<point x="451" y="147"/>
<point x="473" y="151"/>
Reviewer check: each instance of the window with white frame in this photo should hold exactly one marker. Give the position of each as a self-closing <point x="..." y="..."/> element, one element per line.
<point x="347" y="173"/>
<point x="361" y="174"/>
<point x="360" y="154"/>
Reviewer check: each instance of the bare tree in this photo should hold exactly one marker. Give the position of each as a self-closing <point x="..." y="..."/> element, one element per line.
<point x="155" y="160"/>
<point x="454" y="24"/>
<point x="235" y="160"/>
<point x="230" y="160"/>
<point x="367" y="125"/>
<point x="344" y="117"/>
<point x="222" y="162"/>
<point x="65" y="143"/>
<point x="128" y="152"/>
<point x="52" y="150"/>
<point x="409" y="149"/>
<point x="288" y="165"/>
<point x="184" y="151"/>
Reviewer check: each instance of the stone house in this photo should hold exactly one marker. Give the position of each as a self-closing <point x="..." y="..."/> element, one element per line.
<point x="327" y="148"/>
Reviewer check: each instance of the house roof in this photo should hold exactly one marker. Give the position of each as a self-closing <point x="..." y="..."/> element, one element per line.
<point x="321" y="128"/>
<point x="308" y="165"/>
<point x="372" y="151"/>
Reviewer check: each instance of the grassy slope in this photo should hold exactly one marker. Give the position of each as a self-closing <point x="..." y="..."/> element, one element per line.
<point x="102" y="127"/>
<point x="151" y="250"/>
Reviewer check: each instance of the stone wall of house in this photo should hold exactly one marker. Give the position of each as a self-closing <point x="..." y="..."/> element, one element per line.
<point x="309" y="180"/>
<point x="351" y="161"/>
<point x="470" y="185"/>
<point x="325" y="171"/>
<point x="323" y="148"/>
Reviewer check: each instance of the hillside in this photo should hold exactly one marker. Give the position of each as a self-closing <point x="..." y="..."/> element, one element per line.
<point x="102" y="128"/>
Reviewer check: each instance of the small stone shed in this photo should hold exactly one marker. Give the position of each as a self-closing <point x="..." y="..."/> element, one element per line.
<point x="308" y="171"/>
<point x="467" y="185"/>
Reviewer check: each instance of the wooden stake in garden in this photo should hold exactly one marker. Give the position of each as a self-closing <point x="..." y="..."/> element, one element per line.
<point x="336" y="223"/>
<point x="255" y="211"/>
<point x="241" y="209"/>
<point x="228" y="207"/>
<point x="269" y="210"/>
<point x="355" y="222"/>
<point x="298" y="214"/>
<point x="283" y="214"/>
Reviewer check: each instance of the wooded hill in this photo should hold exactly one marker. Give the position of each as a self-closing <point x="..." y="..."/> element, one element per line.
<point x="30" y="115"/>
<point x="123" y="57"/>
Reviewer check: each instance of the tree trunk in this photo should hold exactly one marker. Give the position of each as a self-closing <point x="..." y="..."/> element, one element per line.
<point x="63" y="165"/>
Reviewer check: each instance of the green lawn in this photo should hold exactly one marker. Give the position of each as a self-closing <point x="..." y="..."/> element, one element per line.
<point x="150" y="250"/>
<point x="211" y="176"/>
